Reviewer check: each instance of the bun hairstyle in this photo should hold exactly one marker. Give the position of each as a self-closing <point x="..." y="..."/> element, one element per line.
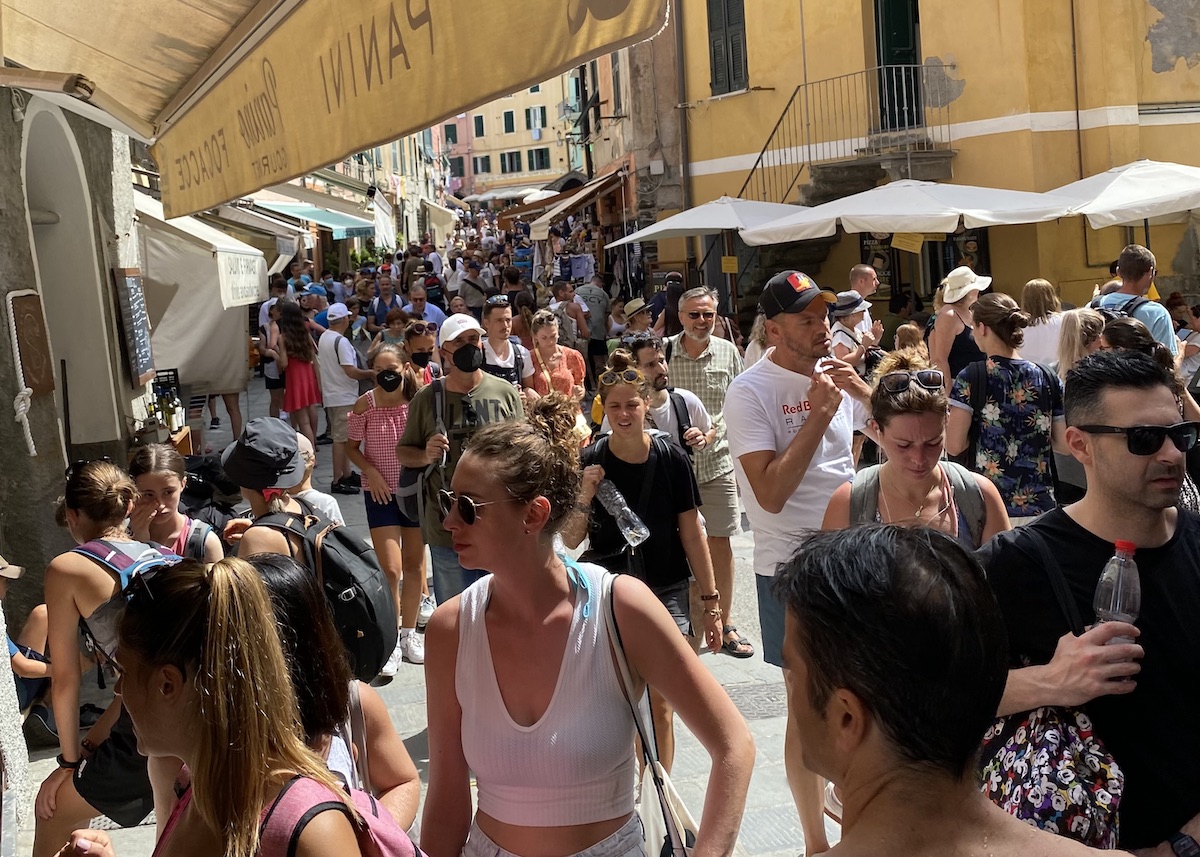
<point x="542" y="318"/>
<point x="915" y="400"/>
<point x="1130" y="334"/>
<point x="216" y="625"/>
<point x="157" y="458"/>
<point x="618" y="362"/>
<point x="1000" y="314"/>
<point x="538" y="457"/>
<point x="101" y="491"/>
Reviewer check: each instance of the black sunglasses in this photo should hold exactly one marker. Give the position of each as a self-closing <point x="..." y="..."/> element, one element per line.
<point x="497" y="300"/>
<point x="468" y="509"/>
<point x="707" y="316"/>
<point x="898" y="382"/>
<point x="81" y="463"/>
<point x="420" y="328"/>
<point x="1147" y="440"/>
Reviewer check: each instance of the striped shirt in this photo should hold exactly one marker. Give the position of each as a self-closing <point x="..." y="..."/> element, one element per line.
<point x="708" y="376"/>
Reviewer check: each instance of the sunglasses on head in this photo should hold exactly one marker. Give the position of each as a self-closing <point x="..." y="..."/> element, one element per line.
<point x="497" y="300"/>
<point x="1147" y="440"/>
<point x="707" y="315"/>
<point x="81" y="463"/>
<point x="898" y="382"/>
<point x="420" y="328"/>
<point x="625" y="376"/>
<point x="468" y="509"/>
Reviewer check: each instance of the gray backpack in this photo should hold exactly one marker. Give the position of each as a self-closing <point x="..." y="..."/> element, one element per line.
<point x="864" y="497"/>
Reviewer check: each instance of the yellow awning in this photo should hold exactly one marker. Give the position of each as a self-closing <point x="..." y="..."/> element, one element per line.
<point x="539" y="230"/>
<point x="242" y="94"/>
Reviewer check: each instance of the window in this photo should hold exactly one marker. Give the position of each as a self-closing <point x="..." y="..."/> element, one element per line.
<point x="456" y="168"/>
<point x="727" y="46"/>
<point x="539" y="159"/>
<point x="478" y="126"/>
<point x="450" y="130"/>
<point x="535" y="117"/>
<point x="482" y="164"/>
<point x="510" y="162"/>
<point x="537" y="87"/>
<point x="396" y="158"/>
<point x="616" y="83"/>
<point x="510" y="122"/>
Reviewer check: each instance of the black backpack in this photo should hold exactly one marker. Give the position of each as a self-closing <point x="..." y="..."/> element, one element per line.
<point x="355" y="586"/>
<point x="1125" y="310"/>
<point x="682" y="417"/>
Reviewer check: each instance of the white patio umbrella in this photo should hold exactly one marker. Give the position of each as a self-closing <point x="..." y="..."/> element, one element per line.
<point x="911" y="206"/>
<point x="712" y="218"/>
<point x="538" y="196"/>
<point x="1135" y="194"/>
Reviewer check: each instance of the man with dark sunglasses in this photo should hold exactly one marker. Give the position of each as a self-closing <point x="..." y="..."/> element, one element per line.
<point x="1124" y="427"/>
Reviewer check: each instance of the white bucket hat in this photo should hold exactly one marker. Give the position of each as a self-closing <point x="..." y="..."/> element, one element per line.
<point x="960" y="281"/>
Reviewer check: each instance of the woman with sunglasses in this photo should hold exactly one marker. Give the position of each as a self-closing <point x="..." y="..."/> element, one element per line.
<point x="205" y="679"/>
<point x="522" y="688"/>
<point x="915" y="486"/>
<point x="556" y="368"/>
<point x="655" y="477"/>
<point x="1007" y="412"/>
<point x="420" y="343"/>
<point x="80" y="591"/>
<point x="377" y="423"/>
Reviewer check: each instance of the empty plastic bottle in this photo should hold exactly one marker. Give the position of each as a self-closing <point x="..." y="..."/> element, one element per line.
<point x="1119" y="592"/>
<point x="630" y="525"/>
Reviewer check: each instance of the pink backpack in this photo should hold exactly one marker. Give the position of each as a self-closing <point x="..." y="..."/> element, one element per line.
<point x="302" y="798"/>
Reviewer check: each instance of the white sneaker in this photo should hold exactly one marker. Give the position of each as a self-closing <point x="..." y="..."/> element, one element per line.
<point x="412" y="645"/>
<point x="394" y="661"/>
<point x="426" y="611"/>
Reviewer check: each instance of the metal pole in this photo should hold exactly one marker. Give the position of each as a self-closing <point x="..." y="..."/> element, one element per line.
<point x="1146" y="231"/>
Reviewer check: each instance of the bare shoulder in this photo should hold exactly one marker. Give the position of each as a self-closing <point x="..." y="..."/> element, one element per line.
<point x="363" y="404"/>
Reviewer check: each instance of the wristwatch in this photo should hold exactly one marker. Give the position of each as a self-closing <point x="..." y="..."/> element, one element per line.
<point x="1184" y="845"/>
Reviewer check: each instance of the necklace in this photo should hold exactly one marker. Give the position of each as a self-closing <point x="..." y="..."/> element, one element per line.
<point x="891" y="487"/>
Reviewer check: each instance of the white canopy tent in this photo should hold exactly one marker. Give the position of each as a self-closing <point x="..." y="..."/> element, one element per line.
<point x="912" y="206"/>
<point x="197" y="280"/>
<point x="712" y="218"/>
<point x="1135" y="194"/>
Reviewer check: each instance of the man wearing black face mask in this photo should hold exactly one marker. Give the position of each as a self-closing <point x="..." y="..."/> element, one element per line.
<point x="472" y="399"/>
<point x="339" y="364"/>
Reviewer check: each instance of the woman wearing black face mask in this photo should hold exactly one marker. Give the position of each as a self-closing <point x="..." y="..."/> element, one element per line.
<point x="420" y="340"/>
<point x="376" y="424"/>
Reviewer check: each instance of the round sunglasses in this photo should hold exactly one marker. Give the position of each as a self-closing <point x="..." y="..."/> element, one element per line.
<point x="468" y="509"/>
<point x="625" y="376"/>
<point x="1147" y="440"/>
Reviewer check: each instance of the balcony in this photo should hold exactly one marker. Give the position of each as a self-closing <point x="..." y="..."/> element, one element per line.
<point x="892" y="119"/>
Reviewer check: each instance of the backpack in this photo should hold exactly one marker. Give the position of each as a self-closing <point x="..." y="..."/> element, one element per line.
<point x="355" y="586"/>
<point x="360" y="362"/>
<point x="597" y="301"/>
<point x="568" y="330"/>
<point x="197" y="535"/>
<point x="302" y="798"/>
<point x="410" y="489"/>
<point x="1125" y="310"/>
<point x="682" y="417"/>
<point x="864" y="497"/>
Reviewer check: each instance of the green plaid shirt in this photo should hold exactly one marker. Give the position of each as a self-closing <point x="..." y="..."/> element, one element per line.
<point x="708" y="376"/>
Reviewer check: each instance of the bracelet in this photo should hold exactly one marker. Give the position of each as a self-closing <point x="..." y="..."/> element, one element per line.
<point x="70" y="766"/>
<point x="713" y="597"/>
<point x="714" y="611"/>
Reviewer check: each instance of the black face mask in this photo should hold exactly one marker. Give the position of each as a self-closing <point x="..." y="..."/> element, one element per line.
<point x="389" y="379"/>
<point x="421" y="359"/>
<point x="468" y="358"/>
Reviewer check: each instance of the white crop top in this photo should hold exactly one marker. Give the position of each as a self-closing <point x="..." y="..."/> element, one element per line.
<point x="575" y="765"/>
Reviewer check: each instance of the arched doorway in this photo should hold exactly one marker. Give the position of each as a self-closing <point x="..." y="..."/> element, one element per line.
<point x="67" y="261"/>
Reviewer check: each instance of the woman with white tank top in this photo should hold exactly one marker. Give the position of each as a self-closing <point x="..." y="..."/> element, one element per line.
<point x="521" y="683"/>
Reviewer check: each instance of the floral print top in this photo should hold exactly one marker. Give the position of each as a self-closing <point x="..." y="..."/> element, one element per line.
<point x="1013" y="445"/>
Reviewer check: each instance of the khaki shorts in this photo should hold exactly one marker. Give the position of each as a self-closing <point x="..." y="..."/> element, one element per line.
<point x="719" y="505"/>
<point x="339" y="423"/>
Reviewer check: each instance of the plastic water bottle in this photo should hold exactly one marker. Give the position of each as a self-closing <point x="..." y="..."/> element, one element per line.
<point x="630" y="525"/>
<point x="1119" y="592"/>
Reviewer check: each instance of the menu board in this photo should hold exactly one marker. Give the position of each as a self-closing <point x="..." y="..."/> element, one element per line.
<point x="876" y="251"/>
<point x="135" y="325"/>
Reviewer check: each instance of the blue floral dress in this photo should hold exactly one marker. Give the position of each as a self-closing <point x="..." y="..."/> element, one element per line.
<point x="1013" y="446"/>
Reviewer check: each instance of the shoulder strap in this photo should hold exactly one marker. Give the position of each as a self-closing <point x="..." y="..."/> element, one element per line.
<point x="358" y="733"/>
<point x="296" y="525"/>
<point x="679" y="405"/>
<point x="1134" y="304"/>
<point x="197" y="537"/>
<point x="969" y="498"/>
<point x="643" y="502"/>
<point x="1062" y="592"/>
<point x="669" y="348"/>
<point x="298" y="802"/>
<point x="977" y="379"/>
<point x="864" y="496"/>
<point x="1054" y="397"/>
<point x="439" y="404"/>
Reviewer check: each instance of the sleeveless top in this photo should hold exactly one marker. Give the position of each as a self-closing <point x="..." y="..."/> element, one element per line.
<point x="963" y="352"/>
<point x="575" y="765"/>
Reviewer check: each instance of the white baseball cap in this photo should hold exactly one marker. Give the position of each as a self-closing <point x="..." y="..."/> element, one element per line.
<point x="337" y="312"/>
<point x="456" y="325"/>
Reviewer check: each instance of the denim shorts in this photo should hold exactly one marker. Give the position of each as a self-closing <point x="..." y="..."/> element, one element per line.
<point x="381" y="515"/>
<point x="626" y="842"/>
<point x="770" y="617"/>
<point x="678" y="603"/>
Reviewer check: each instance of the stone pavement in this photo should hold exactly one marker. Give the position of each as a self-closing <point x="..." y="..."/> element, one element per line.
<point x="770" y="827"/>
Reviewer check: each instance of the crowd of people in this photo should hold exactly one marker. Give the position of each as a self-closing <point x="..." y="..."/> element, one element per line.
<point x="589" y="468"/>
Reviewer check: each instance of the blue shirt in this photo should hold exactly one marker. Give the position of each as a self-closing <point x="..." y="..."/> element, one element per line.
<point x="1151" y="313"/>
<point x="322" y="318"/>
<point x="432" y="313"/>
<point x="382" y="308"/>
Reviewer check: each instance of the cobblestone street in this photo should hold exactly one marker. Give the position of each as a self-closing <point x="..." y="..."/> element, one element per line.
<point x="770" y="827"/>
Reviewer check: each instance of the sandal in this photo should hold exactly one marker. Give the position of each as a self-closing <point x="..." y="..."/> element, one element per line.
<point x="739" y="648"/>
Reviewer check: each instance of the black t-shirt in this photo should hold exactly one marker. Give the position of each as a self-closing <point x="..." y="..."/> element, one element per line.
<point x="673" y="491"/>
<point x="1153" y="732"/>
